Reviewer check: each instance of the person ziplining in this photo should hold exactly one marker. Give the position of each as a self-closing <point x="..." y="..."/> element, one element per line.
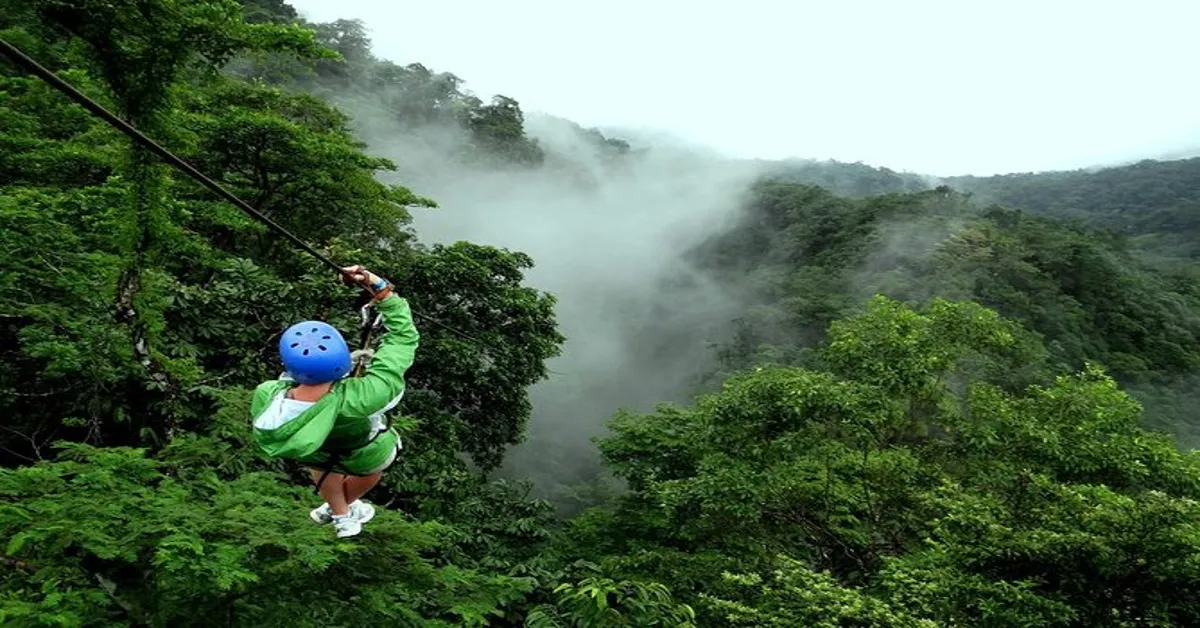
<point x="317" y="413"/>
<point x="321" y="416"/>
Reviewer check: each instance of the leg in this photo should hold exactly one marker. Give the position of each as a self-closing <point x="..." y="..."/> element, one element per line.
<point x="356" y="487"/>
<point x="333" y="490"/>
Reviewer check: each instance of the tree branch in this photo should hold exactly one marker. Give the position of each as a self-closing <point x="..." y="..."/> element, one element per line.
<point x="21" y="456"/>
<point x="32" y="438"/>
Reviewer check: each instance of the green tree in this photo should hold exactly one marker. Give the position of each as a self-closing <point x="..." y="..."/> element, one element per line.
<point x="499" y="128"/>
<point x="797" y="596"/>
<point x="216" y="289"/>
<point x="107" y="536"/>
<point x="141" y="52"/>
<point x="598" y="602"/>
<point x="909" y="472"/>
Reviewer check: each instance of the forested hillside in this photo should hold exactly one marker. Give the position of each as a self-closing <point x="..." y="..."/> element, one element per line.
<point x="908" y="402"/>
<point x="1157" y="202"/>
<point x="810" y="257"/>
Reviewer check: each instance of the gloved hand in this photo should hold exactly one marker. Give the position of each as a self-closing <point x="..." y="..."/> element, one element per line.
<point x="361" y="360"/>
<point x="376" y="285"/>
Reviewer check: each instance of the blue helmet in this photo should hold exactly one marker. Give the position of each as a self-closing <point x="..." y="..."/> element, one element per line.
<point x="314" y="353"/>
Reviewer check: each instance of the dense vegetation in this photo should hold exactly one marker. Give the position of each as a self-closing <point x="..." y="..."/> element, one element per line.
<point x="1156" y="201"/>
<point x="936" y="409"/>
<point x="810" y="257"/>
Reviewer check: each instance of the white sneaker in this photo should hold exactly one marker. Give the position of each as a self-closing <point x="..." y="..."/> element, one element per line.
<point x="362" y="511"/>
<point x="346" y="525"/>
<point x="359" y="509"/>
<point x="321" y="514"/>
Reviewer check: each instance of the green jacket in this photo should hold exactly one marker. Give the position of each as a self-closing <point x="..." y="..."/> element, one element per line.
<point x="350" y="414"/>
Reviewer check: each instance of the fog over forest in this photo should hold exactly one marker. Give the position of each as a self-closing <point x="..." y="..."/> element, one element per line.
<point x="809" y="316"/>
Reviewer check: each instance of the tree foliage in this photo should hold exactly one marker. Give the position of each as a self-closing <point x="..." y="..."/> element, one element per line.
<point x="92" y="229"/>
<point x="809" y="257"/>
<point x="904" y="485"/>
<point x="933" y="411"/>
<point x="1153" y="201"/>
<point x="109" y="536"/>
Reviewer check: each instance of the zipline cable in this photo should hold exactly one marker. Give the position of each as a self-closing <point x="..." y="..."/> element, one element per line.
<point x="21" y="59"/>
<point x="46" y="75"/>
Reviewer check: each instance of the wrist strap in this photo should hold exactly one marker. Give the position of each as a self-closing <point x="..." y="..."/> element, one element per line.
<point x="382" y="293"/>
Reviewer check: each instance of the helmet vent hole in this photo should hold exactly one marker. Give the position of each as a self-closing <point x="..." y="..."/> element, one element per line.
<point x="295" y="344"/>
<point x="306" y="352"/>
<point x="299" y="334"/>
<point x="322" y="347"/>
<point x="314" y="330"/>
<point x="326" y="337"/>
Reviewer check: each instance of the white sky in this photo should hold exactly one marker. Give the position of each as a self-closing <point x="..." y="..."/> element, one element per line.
<point x="937" y="87"/>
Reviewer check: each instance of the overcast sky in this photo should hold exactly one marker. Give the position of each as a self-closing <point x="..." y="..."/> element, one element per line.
<point x="938" y="87"/>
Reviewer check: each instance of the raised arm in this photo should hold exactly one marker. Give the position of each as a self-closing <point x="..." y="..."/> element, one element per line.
<point x="383" y="380"/>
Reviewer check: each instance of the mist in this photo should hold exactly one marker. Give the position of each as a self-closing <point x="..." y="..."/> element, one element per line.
<point x="607" y="233"/>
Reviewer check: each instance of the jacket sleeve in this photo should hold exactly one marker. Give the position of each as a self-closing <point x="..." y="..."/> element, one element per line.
<point x="383" y="380"/>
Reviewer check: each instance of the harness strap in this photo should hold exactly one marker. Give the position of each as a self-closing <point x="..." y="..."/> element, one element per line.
<point x="333" y="458"/>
